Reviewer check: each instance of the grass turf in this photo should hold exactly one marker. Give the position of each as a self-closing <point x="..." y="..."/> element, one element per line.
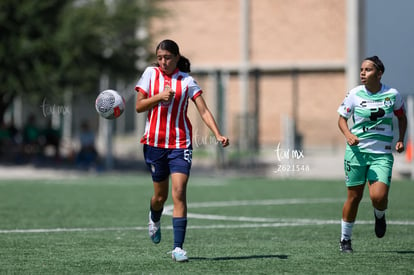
<point x="97" y="225"/>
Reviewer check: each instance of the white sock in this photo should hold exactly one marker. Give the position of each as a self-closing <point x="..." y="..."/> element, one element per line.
<point x="379" y="213"/>
<point x="346" y="230"/>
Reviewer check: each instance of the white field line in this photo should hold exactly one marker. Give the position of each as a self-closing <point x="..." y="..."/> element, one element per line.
<point x="253" y="222"/>
<point x="169" y="208"/>
<point x="263" y="202"/>
<point x="297" y="222"/>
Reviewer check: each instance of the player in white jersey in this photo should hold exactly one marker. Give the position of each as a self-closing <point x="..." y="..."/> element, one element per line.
<point x="368" y="154"/>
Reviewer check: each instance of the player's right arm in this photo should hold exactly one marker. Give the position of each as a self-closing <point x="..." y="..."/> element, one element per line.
<point x="145" y="103"/>
<point x="343" y="126"/>
<point x="345" y="111"/>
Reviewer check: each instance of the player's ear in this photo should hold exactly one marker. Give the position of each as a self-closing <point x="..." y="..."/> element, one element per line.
<point x="379" y="74"/>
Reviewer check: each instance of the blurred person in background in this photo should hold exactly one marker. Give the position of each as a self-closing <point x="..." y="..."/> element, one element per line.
<point x="10" y="142"/>
<point x="31" y="133"/>
<point x="51" y="137"/>
<point x="87" y="155"/>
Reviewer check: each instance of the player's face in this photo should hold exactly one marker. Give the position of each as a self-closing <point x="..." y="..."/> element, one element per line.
<point x="369" y="75"/>
<point x="167" y="61"/>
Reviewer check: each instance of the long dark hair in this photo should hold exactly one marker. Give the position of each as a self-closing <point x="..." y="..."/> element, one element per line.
<point x="169" y="45"/>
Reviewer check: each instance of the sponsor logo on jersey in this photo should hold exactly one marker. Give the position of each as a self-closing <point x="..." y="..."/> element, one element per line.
<point x="370" y="103"/>
<point x="366" y="129"/>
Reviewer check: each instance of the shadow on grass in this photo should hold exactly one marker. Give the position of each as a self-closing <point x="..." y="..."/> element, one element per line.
<point x="282" y="257"/>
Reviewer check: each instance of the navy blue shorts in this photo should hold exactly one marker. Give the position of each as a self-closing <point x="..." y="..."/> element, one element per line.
<point x="162" y="162"/>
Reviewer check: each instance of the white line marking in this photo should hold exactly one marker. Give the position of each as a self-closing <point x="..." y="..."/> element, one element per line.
<point x="59" y="230"/>
<point x="263" y="202"/>
<point x="169" y="208"/>
<point x="254" y="222"/>
<point x="286" y="223"/>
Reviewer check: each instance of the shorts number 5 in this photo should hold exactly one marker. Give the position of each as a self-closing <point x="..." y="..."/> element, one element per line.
<point x="347" y="165"/>
<point x="188" y="155"/>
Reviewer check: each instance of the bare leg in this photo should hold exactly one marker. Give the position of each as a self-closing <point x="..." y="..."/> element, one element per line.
<point x="160" y="194"/>
<point x="179" y="194"/>
<point x="378" y="191"/>
<point x="350" y="208"/>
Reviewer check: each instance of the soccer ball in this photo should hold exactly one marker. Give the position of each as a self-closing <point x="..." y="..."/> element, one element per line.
<point x="109" y="104"/>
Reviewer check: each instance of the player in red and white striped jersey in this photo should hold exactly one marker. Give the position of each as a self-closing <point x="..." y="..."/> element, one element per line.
<point x="164" y="91"/>
<point x="167" y="124"/>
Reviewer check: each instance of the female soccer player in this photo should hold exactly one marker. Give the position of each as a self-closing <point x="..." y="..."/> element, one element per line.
<point x="368" y="154"/>
<point x="164" y="91"/>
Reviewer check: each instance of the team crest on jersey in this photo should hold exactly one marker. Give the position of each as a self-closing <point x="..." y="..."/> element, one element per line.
<point x="165" y="104"/>
<point x="387" y="102"/>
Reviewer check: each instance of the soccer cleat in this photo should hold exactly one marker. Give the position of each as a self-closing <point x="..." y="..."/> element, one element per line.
<point x="380" y="226"/>
<point x="154" y="230"/>
<point x="345" y="246"/>
<point x="179" y="255"/>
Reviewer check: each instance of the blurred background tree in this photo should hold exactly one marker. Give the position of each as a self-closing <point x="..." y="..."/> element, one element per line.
<point x="49" y="46"/>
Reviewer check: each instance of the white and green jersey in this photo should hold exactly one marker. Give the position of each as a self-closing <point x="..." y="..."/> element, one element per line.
<point x="372" y="115"/>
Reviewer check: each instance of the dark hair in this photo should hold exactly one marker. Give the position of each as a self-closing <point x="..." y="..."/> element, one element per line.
<point x="377" y="63"/>
<point x="169" y="45"/>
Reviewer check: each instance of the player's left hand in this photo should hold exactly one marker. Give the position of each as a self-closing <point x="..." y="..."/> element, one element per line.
<point x="399" y="146"/>
<point x="223" y="140"/>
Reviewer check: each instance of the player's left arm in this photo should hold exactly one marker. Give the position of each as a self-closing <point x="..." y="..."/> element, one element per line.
<point x="402" y="128"/>
<point x="209" y="120"/>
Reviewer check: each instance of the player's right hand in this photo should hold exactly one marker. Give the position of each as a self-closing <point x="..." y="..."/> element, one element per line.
<point x="352" y="140"/>
<point x="167" y="95"/>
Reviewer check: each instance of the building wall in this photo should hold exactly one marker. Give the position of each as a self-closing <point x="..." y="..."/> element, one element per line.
<point x="297" y="30"/>
<point x="286" y="34"/>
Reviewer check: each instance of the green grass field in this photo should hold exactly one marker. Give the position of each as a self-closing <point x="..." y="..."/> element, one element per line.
<point x="98" y="225"/>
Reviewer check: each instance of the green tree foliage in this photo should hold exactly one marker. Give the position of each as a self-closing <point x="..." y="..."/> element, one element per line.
<point x="51" y="45"/>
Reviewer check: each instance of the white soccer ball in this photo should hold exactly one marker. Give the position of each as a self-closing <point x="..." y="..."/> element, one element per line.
<point x="110" y="104"/>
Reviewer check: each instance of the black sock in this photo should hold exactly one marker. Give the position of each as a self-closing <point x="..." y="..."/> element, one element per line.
<point x="156" y="214"/>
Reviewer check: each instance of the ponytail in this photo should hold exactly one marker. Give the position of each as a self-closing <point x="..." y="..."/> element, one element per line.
<point x="184" y="64"/>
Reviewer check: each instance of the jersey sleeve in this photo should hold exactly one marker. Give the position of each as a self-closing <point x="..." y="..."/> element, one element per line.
<point x="399" y="109"/>
<point x="193" y="89"/>
<point x="143" y="84"/>
<point x="347" y="107"/>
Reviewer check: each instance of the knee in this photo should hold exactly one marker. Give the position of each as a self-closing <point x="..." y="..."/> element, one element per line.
<point x="379" y="195"/>
<point x="159" y="198"/>
<point x="179" y="194"/>
<point x="379" y="201"/>
<point x="355" y="198"/>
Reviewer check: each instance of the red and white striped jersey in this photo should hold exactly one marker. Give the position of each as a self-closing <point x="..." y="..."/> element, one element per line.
<point x="167" y="124"/>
